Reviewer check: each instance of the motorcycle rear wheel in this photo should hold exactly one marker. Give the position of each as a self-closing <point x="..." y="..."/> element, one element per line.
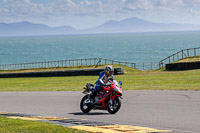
<point x="113" y="108"/>
<point x="85" y="107"/>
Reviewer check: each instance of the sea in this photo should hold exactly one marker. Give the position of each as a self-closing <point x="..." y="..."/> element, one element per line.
<point x="131" y="47"/>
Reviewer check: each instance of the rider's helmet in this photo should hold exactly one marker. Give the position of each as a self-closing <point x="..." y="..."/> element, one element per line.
<point x="109" y="70"/>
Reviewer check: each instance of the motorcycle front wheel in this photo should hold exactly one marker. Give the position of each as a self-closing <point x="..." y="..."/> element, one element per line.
<point x="114" y="106"/>
<point x="85" y="104"/>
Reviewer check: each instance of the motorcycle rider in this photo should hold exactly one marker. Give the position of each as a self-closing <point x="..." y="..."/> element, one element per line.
<point x="103" y="79"/>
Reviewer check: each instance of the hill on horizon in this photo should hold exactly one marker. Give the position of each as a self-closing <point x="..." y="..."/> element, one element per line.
<point x="26" y="28"/>
<point x="135" y="24"/>
<point x="128" y="25"/>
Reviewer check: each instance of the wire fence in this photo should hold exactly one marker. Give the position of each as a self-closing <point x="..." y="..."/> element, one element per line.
<point x="65" y="63"/>
<point x="180" y="55"/>
<point x="147" y="66"/>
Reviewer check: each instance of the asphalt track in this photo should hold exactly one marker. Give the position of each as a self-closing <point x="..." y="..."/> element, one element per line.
<point x="178" y="111"/>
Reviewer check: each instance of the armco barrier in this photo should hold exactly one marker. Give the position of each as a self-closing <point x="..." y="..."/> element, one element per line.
<point x="183" y="66"/>
<point x="82" y="72"/>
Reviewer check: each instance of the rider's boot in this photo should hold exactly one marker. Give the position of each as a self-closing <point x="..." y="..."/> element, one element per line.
<point x="92" y="96"/>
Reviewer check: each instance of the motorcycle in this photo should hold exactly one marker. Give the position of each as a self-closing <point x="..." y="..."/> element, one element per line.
<point x="107" y="99"/>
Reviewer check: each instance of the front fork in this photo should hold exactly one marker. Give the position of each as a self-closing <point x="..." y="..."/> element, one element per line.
<point x="112" y="97"/>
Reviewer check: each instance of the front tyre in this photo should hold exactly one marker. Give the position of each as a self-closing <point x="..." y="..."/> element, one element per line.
<point x="85" y="104"/>
<point x="114" y="106"/>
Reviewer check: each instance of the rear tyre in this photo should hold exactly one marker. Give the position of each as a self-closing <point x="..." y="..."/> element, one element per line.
<point x="85" y="104"/>
<point x="114" y="106"/>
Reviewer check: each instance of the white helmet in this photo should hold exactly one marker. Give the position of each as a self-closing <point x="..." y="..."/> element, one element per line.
<point x="109" y="69"/>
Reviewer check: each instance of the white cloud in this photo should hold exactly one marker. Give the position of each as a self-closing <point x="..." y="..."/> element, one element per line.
<point x="138" y="4"/>
<point x="68" y="12"/>
<point x="5" y="0"/>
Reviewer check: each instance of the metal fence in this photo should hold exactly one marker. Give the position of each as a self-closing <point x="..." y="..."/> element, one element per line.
<point x="180" y="55"/>
<point x="147" y="66"/>
<point x="65" y="63"/>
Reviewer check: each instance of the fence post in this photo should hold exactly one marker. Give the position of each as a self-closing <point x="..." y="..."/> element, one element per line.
<point x="182" y="53"/>
<point x="195" y="52"/>
<point x="55" y="63"/>
<point x="177" y="56"/>
<point x="143" y="65"/>
<point x="99" y="61"/>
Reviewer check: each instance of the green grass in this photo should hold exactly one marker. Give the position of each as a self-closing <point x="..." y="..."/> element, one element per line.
<point x="8" y="125"/>
<point x="163" y="80"/>
<point x="189" y="59"/>
<point x="132" y="80"/>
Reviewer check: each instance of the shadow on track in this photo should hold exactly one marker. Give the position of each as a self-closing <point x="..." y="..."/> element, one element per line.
<point x="96" y="113"/>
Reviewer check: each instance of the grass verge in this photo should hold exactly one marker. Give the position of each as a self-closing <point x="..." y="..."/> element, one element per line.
<point x="132" y="80"/>
<point x="189" y="59"/>
<point x="8" y="125"/>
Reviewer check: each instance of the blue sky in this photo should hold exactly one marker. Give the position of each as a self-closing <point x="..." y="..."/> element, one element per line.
<point x="90" y="13"/>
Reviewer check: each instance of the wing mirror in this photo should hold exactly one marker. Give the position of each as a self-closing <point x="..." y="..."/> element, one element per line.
<point x="120" y="82"/>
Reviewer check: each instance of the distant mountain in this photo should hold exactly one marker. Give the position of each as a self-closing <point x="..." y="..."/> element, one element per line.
<point x="27" y="28"/>
<point x="139" y="25"/>
<point x="127" y="25"/>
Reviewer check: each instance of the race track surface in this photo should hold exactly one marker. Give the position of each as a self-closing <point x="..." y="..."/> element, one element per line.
<point x="178" y="111"/>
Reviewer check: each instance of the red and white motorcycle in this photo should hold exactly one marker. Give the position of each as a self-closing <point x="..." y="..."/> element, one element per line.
<point x="107" y="99"/>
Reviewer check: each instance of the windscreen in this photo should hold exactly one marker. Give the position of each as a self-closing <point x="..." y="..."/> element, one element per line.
<point x="115" y="82"/>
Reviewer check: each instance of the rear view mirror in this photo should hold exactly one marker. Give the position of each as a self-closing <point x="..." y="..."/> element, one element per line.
<point x="120" y="82"/>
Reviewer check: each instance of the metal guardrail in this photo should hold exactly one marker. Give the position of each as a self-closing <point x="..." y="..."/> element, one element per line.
<point x="65" y="63"/>
<point x="180" y="55"/>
